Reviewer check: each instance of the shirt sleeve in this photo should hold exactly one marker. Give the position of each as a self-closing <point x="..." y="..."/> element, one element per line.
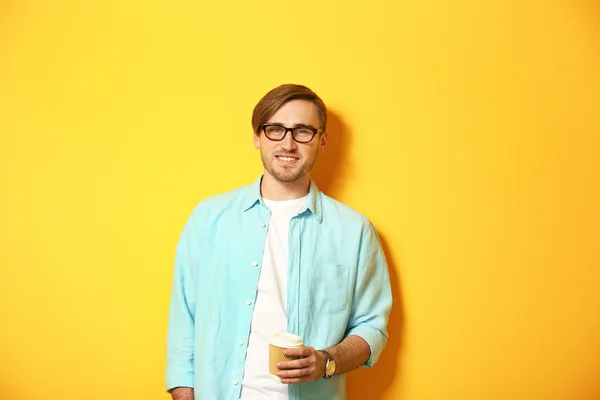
<point x="372" y="295"/>
<point x="180" y="340"/>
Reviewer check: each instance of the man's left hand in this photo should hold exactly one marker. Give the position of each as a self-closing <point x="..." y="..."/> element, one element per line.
<point x="309" y="366"/>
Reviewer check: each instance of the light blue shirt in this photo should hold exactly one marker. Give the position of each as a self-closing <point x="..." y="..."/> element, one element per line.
<point x="338" y="285"/>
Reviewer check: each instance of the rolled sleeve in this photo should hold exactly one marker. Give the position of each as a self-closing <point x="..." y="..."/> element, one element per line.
<point x="180" y="376"/>
<point x="372" y="296"/>
<point x="374" y="338"/>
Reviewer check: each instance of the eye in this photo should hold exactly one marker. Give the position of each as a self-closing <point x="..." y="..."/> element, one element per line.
<point x="303" y="131"/>
<point x="275" y="129"/>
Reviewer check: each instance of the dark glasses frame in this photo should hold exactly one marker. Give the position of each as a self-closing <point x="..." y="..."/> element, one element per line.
<point x="264" y="127"/>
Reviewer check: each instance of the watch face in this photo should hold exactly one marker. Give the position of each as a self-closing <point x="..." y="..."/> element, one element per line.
<point x="330" y="368"/>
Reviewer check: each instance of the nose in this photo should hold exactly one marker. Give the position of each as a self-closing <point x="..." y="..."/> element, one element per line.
<point x="288" y="142"/>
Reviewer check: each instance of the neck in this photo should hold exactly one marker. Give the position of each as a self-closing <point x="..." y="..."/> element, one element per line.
<point x="272" y="189"/>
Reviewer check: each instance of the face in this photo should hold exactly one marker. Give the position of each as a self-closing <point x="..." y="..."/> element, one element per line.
<point x="288" y="160"/>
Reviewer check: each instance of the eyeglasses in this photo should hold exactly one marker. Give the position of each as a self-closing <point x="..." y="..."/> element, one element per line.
<point x="301" y="134"/>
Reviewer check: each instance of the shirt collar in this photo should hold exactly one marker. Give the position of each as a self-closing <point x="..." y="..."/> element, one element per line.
<point x="252" y="196"/>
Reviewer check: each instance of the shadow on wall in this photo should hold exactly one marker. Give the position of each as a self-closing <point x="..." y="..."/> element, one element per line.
<point x="7" y="392"/>
<point x="589" y="15"/>
<point x="331" y="174"/>
<point x="333" y="166"/>
<point x="4" y="11"/>
<point x="7" y="10"/>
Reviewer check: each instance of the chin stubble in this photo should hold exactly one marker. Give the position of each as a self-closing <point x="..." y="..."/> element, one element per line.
<point x="301" y="172"/>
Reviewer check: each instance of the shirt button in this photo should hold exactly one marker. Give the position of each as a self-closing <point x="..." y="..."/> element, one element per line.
<point x="255" y="264"/>
<point x="262" y="224"/>
<point x="235" y="382"/>
<point x="248" y="302"/>
<point x="241" y="342"/>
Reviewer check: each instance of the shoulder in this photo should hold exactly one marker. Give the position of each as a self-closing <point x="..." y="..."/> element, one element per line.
<point x="222" y="199"/>
<point x="352" y="226"/>
<point x="337" y="212"/>
<point x="221" y="203"/>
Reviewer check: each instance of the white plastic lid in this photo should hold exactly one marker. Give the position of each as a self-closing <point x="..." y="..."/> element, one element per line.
<point x="286" y="340"/>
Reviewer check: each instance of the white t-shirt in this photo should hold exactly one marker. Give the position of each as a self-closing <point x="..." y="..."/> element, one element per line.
<point x="270" y="308"/>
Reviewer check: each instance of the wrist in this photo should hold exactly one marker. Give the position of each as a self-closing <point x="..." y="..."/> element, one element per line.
<point x="330" y="365"/>
<point x="182" y="393"/>
<point x="323" y="357"/>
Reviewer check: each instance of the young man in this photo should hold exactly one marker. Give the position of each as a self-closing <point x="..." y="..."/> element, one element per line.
<point x="276" y="256"/>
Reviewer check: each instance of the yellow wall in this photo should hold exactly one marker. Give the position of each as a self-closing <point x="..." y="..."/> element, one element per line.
<point x="468" y="131"/>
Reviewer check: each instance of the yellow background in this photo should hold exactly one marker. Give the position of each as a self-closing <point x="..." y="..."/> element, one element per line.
<point x="467" y="131"/>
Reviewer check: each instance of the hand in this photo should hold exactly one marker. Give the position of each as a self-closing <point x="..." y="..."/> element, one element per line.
<point x="182" y="393"/>
<point x="309" y="366"/>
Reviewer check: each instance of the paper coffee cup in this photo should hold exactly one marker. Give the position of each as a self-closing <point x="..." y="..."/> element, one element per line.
<point x="277" y="344"/>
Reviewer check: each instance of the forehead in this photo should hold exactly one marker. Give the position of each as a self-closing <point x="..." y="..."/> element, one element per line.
<point x="297" y="112"/>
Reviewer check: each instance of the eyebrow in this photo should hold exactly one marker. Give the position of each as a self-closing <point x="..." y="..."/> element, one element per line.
<point x="295" y="125"/>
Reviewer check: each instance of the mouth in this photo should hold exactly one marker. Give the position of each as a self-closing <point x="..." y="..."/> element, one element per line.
<point x="287" y="159"/>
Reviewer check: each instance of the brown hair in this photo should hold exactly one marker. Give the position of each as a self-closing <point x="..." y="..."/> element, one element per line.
<point x="272" y="101"/>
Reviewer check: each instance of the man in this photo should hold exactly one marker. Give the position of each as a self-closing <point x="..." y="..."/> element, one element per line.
<point x="276" y="256"/>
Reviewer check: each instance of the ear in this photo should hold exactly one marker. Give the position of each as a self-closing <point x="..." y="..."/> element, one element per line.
<point x="323" y="142"/>
<point x="256" y="140"/>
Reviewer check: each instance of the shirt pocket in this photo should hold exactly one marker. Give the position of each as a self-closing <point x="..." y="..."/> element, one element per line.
<point x="329" y="288"/>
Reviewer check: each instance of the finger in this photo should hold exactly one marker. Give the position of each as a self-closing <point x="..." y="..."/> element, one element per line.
<point x="294" y="364"/>
<point x="299" y="351"/>
<point x="294" y="373"/>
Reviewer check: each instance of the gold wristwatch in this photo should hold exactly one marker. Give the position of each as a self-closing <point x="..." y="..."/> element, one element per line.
<point x="329" y="364"/>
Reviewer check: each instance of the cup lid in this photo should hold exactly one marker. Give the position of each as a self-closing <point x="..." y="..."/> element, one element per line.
<point x="286" y="340"/>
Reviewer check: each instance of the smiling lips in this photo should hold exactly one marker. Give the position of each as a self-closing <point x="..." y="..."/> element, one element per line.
<point x="287" y="159"/>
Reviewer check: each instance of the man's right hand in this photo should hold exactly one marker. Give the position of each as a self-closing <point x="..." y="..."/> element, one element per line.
<point x="182" y="393"/>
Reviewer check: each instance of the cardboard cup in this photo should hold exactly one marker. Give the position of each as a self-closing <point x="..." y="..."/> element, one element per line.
<point x="277" y="344"/>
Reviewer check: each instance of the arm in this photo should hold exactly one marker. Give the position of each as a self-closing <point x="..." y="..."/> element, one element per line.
<point x="372" y="298"/>
<point x="180" y="342"/>
<point x="349" y="354"/>
<point x="366" y="333"/>
<point x="182" y="393"/>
